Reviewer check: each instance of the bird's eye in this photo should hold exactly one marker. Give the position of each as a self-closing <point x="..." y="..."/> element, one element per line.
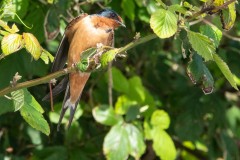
<point x="112" y="15"/>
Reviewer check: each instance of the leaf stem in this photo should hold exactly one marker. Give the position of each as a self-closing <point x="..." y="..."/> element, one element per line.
<point x="57" y="74"/>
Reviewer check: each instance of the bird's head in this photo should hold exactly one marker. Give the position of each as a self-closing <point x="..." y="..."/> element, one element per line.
<point x="112" y="17"/>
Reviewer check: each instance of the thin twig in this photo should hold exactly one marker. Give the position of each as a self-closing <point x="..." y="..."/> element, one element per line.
<point x="231" y="37"/>
<point x="110" y="84"/>
<point x="57" y="74"/>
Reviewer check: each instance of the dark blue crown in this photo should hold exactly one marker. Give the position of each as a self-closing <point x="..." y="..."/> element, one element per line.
<point x="109" y="14"/>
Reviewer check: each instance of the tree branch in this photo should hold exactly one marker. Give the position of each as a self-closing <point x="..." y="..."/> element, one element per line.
<point x="36" y="81"/>
<point x="210" y="8"/>
<point x="65" y="71"/>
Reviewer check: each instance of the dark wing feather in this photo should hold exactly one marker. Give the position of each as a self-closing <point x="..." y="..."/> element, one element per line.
<point x="61" y="55"/>
<point x="58" y="89"/>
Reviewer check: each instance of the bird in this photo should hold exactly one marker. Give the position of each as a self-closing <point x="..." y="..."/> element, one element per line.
<point x="83" y="32"/>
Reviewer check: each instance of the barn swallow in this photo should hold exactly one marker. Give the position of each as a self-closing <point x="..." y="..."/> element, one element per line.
<point x="83" y="32"/>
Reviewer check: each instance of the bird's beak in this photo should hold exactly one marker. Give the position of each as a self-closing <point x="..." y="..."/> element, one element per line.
<point x="122" y="24"/>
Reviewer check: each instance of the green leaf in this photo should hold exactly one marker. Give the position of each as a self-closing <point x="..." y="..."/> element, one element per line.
<point x="202" y="45"/>
<point x="105" y="115"/>
<point x="231" y="16"/>
<point x="147" y="130"/>
<point x="85" y="57"/>
<point x="120" y="82"/>
<point x="177" y="8"/>
<point x="198" y="72"/>
<point x="136" y="141"/>
<point x="88" y="53"/>
<point x="133" y="113"/>
<point x="46" y="56"/>
<point x="32" y="45"/>
<point x="51" y="153"/>
<point x="225" y="70"/>
<point x="6" y="105"/>
<point x="36" y="21"/>
<point x="164" y="23"/>
<point x="116" y="143"/>
<point x="136" y="90"/>
<point x="128" y="7"/>
<point x="163" y="144"/>
<point x="18" y="99"/>
<point x="31" y="111"/>
<point x="123" y="104"/>
<point x="11" y="43"/>
<point x="161" y="119"/>
<point x="8" y="9"/>
<point x="108" y="56"/>
<point x="212" y="32"/>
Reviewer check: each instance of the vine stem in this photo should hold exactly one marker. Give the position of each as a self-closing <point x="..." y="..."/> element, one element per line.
<point x="65" y="71"/>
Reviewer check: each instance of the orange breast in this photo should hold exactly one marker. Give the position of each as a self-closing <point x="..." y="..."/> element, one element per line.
<point x="86" y="36"/>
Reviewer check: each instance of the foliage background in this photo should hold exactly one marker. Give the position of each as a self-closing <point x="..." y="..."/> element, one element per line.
<point x="153" y="74"/>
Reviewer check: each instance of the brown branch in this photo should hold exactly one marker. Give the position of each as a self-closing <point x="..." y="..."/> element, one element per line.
<point x="36" y="81"/>
<point x="210" y="8"/>
<point x="49" y="77"/>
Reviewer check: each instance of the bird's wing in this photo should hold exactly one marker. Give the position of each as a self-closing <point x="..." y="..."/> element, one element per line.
<point x="62" y="52"/>
<point x="62" y="55"/>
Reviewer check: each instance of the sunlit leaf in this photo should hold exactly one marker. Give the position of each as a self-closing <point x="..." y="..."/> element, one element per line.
<point x="31" y="111"/>
<point x="231" y="16"/>
<point x="218" y="2"/>
<point x="137" y="145"/>
<point x="147" y="130"/>
<point x="32" y="45"/>
<point x="123" y="104"/>
<point x="163" y="144"/>
<point x="164" y="23"/>
<point x="201" y="44"/>
<point x="161" y="119"/>
<point x="18" y="99"/>
<point x="11" y="43"/>
<point x="106" y="115"/>
<point x="46" y="56"/>
<point x="116" y="143"/>
<point x="225" y="70"/>
<point x="108" y="57"/>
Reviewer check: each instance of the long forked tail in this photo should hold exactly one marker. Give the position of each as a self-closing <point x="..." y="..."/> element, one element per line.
<point x="67" y="104"/>
<point x="77" y="84"/>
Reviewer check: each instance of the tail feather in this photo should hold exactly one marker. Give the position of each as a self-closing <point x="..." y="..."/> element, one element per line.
<point x="67" y="104"/>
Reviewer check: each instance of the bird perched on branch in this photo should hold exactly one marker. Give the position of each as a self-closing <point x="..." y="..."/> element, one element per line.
<point x="83" y="32"/>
